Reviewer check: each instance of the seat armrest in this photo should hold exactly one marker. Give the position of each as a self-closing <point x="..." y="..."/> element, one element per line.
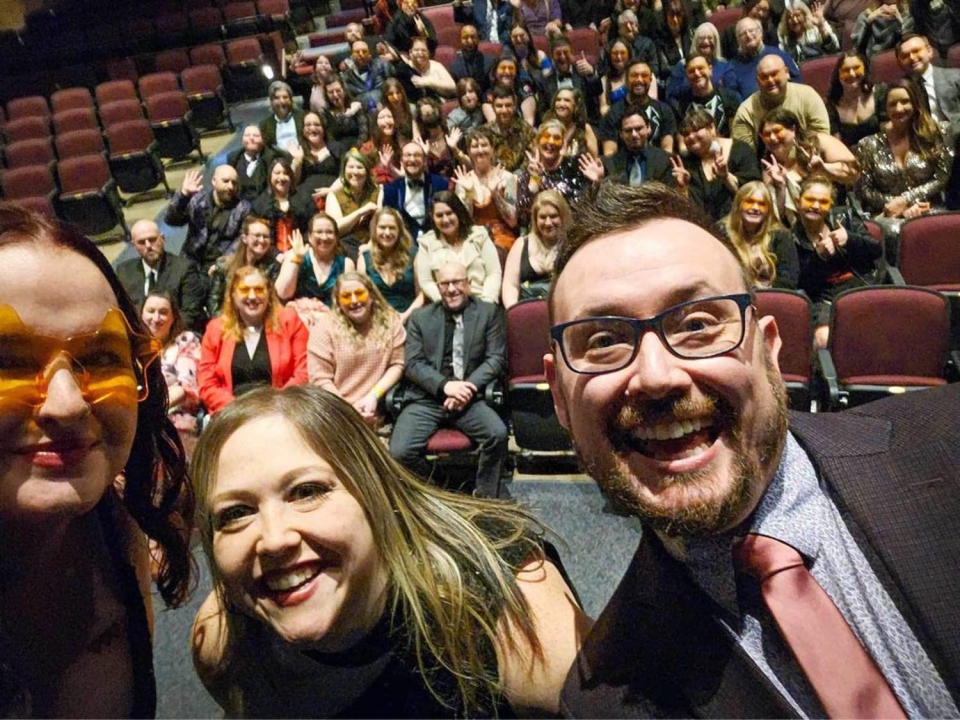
<point x="828" y="373"/>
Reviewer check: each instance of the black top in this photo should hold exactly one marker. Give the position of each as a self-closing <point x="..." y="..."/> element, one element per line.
<point x="251" y="372"/>
<point x="532" y="283"/>
<point x="852" y="133"/>
<point x="714" y="196"/>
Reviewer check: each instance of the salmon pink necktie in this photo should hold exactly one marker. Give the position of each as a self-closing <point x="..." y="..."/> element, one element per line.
<point x="841" y="672"/>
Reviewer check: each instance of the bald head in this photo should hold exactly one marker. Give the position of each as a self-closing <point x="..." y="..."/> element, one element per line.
<point x="147" y="240"/>
<point x="224" y="183"/>
<point x="453" y="285"/>
<point x="772" y="79"/>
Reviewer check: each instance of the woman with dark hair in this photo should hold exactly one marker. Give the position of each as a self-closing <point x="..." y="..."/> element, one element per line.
<point x="278" y="204"/>
<point x="715" y="167"/>
<point x="675" y="32"/>
<point x="569" y="107"/>
<point x="388" y="260"/>
<point x="409" y="24"/>
<point x="905" y="166"/>
<point x="516" y="69"/>
<point x="90" y="467"/>
<point x="395" y="98"/>
<point x="468" y="115"/>
<point x="311" y="269"/>
<point x="530" y="261"/>
<point x="805" y="34"/>
<point x="455" y="238"/>
<point x="766" y="249"/>
<point x="854" y="103"/>
<point x="343" y="119"/>
<point x="397" y="598"/>
<point x="315" y="161"/>
<point x="354" y="202"/>
<point x="382" y="150"/>
<point x="614" y="80"/>
<point x="255" y="341"/>
<point x="440" y="147"/>
<point x="255" y="249"/>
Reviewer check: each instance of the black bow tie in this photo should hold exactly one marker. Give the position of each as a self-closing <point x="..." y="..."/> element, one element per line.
<point x="415" y="183"/>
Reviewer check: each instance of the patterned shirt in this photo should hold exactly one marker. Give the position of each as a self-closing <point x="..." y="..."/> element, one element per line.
<point x="510" y="146"/>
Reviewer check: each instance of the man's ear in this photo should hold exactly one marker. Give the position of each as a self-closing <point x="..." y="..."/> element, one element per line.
<point x="559" y="401"/>
<point x="771" y="337"/>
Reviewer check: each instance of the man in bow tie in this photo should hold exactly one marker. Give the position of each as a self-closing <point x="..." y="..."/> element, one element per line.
<point x="412" y="193"/>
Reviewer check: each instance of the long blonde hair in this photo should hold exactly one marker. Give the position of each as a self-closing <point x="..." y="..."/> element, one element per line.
<point x="380" y="311"/>
<point x="756" y="257"/>
<point x="232" y="324"/>
<point x="536" y="249"/>
<point x="449" y="585"/>
<point x="397" y="260"/>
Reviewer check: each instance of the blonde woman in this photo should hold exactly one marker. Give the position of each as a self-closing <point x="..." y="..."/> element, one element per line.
<point x="765" y="248"/>
<point x="356" y="351"/>
<point x="530" y="261"/>
<point x="346" y="587"/>
<point x="388" y="260"/>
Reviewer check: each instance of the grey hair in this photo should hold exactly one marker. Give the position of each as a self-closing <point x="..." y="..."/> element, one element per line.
<point x="279" y="85"/>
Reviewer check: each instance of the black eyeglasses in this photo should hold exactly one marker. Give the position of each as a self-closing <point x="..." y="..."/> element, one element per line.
<point x="692" y="330"/>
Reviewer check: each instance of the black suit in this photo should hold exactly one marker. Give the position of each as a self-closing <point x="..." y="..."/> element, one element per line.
<point x="395" y="196"/>
<point x="268" y="127"/>
<point x="617" y="166"/>
<point x="484" y="360"/>
<point x="175" y="275"/>
<point x="249" y="186"/>
<point x="892" y="469"/>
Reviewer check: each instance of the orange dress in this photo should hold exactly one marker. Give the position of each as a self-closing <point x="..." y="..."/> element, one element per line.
<point x="488" y="216"/>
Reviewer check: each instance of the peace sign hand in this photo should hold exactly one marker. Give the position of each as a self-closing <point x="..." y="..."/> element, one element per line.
<point x="774" y="171"/>
<point x="680" y="174"/>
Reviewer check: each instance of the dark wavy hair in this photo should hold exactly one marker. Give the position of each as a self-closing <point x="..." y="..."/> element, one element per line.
<point x="449" y="198"/>
<point x="836" y="89"/>
<point x="157" y="493"/>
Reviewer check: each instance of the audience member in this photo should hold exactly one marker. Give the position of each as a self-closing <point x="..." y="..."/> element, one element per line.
<point x="284" y="126"/>
<point x="413" y="193"/>
<point x="570" y="73"/>
<point x="511" y="135"/>
<point x="280" y="206"/>
<point x="722" y="104"/>
<point x="450" y="601"/>
<point x="469" y="61"/>
<point x="881" y="25"/>
<point x="614" y="80"/>
<point x="440" y="147"/>
<point x="758" y="10"/>
<point x="352" y="205"/>
<point x="507" y="76"/>
<point x="454" y="237"/>
<point x="311" y="269"/>
<point x="489" y="191"/>
<point x="706" y="42"/>
<point x="255" y="249"/>
<point x="776" y="91"/>
<point x="569" y="108"/>
<point x="715" y="167"/>
<point x="641" y="47"/>
<point x="156" y="269"/>
<point x="382" y="150"/>
<point x="636" y="161"/>
<point x="322" y="71"/>
<point x="408" y="25"/>
<point x="835" y="249"/>
<point x="254" y="342"/>
<point x="423" y="77"/>
<point x="661" y="121"/>
<point x="251" y="162"/>
<point x="804" y="34"/>
<point x="344" y="120"/>
<point x="938" y="21"/>
<point x="456" y="347"/>
<point x="363" y="80"/>
<point x="395" y="99"/>
<point x="388" y="260"/>
<point x="854" y="103"/>
<point x="766" y="250"/>
<point x="674" y="32"/>
<point x="835" y="487"/>
<point x="529" y="265"/>
<point x="214" y="217"/>
<point x="318" y="160"/>
<point x="468" y="115"/>
<point x="750" y="51"/>
<point x="356" y="350"/>
<point x="179" y="356"/>
<point x="492" y="18"/>
<point x="541" y="18"/>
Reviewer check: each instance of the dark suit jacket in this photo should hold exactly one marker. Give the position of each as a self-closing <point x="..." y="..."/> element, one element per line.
<point x="484" y="348"/>
<point x="395" y="195"/>
<point x="268" y="127"/>
<point x="616" y="167"/>
<point x="893" y="469"/>
<point x="946" y="83"/>
<point x="175" y="275"/>
<point x="589" y="85"/>
<point x="477" y="14"/>
<point x="248" y="187"/>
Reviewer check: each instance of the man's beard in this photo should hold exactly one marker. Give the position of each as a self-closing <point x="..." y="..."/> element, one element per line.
<point x="707" y="514"/>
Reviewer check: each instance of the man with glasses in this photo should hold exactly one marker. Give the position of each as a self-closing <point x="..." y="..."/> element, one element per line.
<point x="790" y="564"/>
<point x="455" y="348"/>
<point x="750" y="50"/>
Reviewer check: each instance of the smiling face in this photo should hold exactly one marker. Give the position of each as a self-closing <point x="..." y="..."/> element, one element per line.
<point x="778" y="138"/>
<point x="506" y="73"/>
<point x="355" y="302"/>
<point x="619" y="56"/>
<point x="387" y="231"/>
<point x="313" y="129"/>
<point x="851" y="71"/>
<point x="355" y="173"/>
<point x="480" y="150"/>
<point x="519" y="37"/>
<point x="57" y="461"/>
<point x="564" y="104"/>
<point x="754" y="209"/>
<point x="550" y="142"/>
<point x="257" y="241"/>
<point x="700" y="141"/>
<point x="706" y="44"/>
<point x="335" y="94"/>
<point x="749" y="36"/>
<point x="420" y="55"/>
<point x="280" y="180"/>
<point x="385" y="122"/>
<point x="562" y="58"/>
<point x="322" y="69"/>
<point x="699" y="76"/>
<point x="815" y="203"/>
<point x="549" y="222"/>
<point x="250" y="295"/>
<point x="796" y="22"/>
<point x="252" y="140"/>
<point x="394" y="96"/>
<point x="411" y="157"/>
<point x="323" y="238"/>
<point x="360" y="54"/>
<point x="760" y="11"/>
<point x="634" y="131"/>
<point x="445" y="220"/>
<point x="724" y="416"/>
<point x="469" y="39"/>
<point x="282" y="103"/>
<point x="157" y="315"/>
<point x="639" y="78"/>
<point x="291" y="544"/>
<point x="899" y="107"/>
<point x="772" y="78"/>
<point x="454" y="286"/>
<point x="914" y="56"/>
<point x="504" y="110"/>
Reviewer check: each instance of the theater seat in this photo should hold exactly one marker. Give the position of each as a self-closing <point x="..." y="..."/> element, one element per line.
<point x="791" y="309"/>
<point x="88" y="195"/>
<point x="134" y="162"/>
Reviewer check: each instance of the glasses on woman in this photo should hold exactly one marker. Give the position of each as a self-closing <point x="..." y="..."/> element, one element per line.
<point x="351" y="296"/>
<point x="107" y="364"/>
<point x="259" y="291"/>
<point x="693" y="330"/>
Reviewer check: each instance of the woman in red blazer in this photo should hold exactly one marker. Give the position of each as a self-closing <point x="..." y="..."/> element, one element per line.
<point x="253" y="342"/>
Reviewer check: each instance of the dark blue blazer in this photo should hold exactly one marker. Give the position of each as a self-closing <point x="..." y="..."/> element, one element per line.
<point x="395" y="195"/>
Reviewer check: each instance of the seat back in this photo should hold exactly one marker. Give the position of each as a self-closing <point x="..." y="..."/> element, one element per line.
<point x="439" y="15"/>
<point x="792" y="312"/>
<point x="722" y="19"/>
<point x="928" y="251"/>
<point x="131" y="136"/>
<point x="889" y="335"/>
<point x="115" y="90"/>
<point x="445" y="55"/>
<point x="817" y="72"/>
<point x="953" y="56"/>
<point x="345" y="17"/>
<point x="528" y="339"/>
<point x="27" y="128"/>
<point x="211" y="54"/>
<point x="884" y="67"/>
<point x="174" y="61"/>
<point x="167" y="106"/>
<point x="156" y="83"/>
<point x="490" y="48"/>
<point x="239" y="10"/>
<point x="120" y="111"/>
<point x="206" y="17"/>
<point x="39" y="204"/>
<point x="31" y="106"/>
<point x="75" y="119"/>
<point x="29" y="152"/>
<point x="201" y="79"/>
<point x="83" y="173"/>
<point x="585" y="40"/>
<point x="29" y="181"/>
<point x="71" y="99"/>
<point x="244" y="50"/>
<point x="79" y="142"/>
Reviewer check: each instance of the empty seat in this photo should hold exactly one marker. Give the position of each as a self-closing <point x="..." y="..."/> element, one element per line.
<point x="156" y="83"/>
<point x="174" y="61"/>
<point x="884" y="67"/>
<point x="929" y="252"/>
<point x="439" y="15"/>
<point x="240" y="18"/>
<point x="88" y="195"/>
<point x="722" y="19"/>
<point x="27" y="128"/>
<point x="29" y="152"/>
<point x="25" y="107"/>
<point x="120" y="111"/>
<point x="173" y="29"/>
<point x="206" y="24"/>
<point x="30" y="181"/>
<point x="39" y="204"/>
<point x="203" y="86"/>
<point x="114" y="90"/>
<point x="71" y="99"/>
<point x="75" y="119"/>
<point x="791" y="310"/>
<point x="134" y="162"/>
<point x="79" y="142"/>
<point x="211" y="54"/>
<point x="345" y="17"/>
<point x="140" y="35"/>
<point x="245" y="78"/>
<point x="170" y="117"/>
<point x="817" y="72"/>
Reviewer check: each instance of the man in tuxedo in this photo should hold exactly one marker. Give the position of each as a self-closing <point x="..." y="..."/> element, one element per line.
<point x="412" y="193"/>
<point x="470" y="62"/>
<point x="251" y="162"/>
<point x="156" y="269"/>
<point x="790" y="564"/>
<point x="455" y="348"/>
<point x="637" y="161"/>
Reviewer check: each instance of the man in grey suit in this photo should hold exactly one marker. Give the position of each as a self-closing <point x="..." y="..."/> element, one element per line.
<point x="455" y="348"/>
<point x="666" y="376"/>
<point x="156" y="269"/>
<point x="914" y="53"/>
